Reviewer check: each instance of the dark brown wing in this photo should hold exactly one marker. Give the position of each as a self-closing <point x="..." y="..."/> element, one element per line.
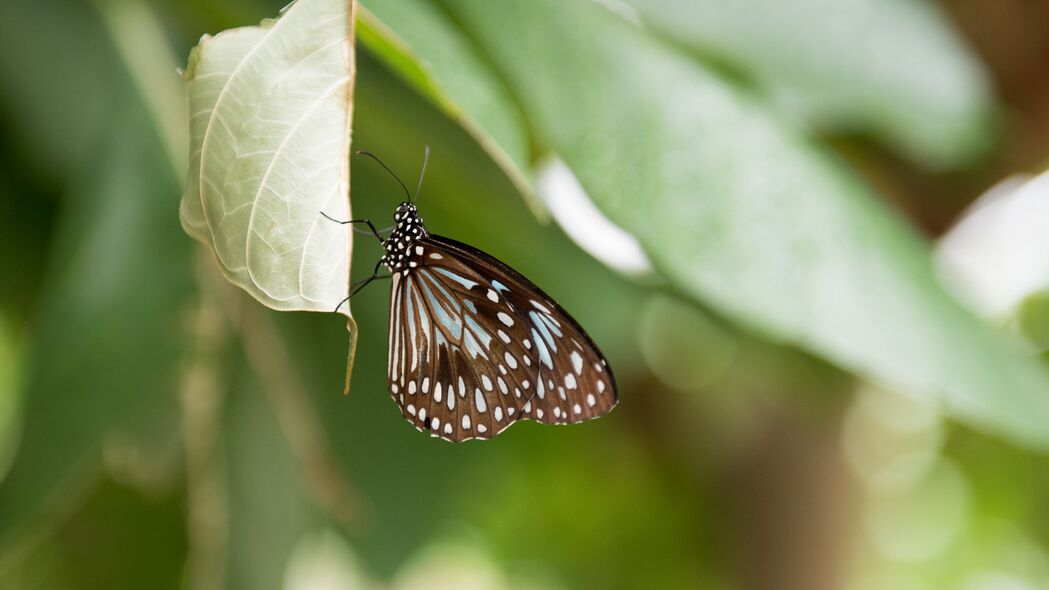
<point x="464" y="321"/>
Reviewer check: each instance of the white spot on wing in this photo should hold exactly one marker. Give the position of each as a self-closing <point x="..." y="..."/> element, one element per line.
<point x="577" y="363"/>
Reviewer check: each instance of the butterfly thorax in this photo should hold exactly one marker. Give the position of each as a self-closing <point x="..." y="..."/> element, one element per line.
<point x="403" y="252"/>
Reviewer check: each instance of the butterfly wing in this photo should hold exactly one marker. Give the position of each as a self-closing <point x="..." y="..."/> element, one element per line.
<point x="462" y="321"/>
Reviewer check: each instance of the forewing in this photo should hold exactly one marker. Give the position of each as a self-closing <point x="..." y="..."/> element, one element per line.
<point x="475" y="346"/>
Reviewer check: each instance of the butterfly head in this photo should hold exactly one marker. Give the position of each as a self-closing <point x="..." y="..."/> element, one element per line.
<point x="405" y="211"/>
<point x="402" y="252"/>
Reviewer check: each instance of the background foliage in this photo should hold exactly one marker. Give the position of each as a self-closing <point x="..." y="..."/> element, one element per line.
<point x="804" y="405"/>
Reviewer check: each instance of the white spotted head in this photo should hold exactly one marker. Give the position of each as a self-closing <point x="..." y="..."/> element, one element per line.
<point x="402" y="252"/>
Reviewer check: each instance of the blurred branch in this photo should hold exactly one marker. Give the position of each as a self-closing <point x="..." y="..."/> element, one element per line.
<point x="202" y="396"/>
<point x="792" y="508"/>
<point x="283" y="386"/>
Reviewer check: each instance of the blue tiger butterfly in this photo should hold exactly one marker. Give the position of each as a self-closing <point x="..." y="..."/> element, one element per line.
<point x="474" y="346"/>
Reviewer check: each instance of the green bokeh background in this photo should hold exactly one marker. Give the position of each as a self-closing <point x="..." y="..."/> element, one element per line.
<point x="159" y="429"/>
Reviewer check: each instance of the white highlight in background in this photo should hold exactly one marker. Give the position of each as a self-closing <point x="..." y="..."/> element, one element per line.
<point x="573" y="210"/>
<point x="998" y="254"/>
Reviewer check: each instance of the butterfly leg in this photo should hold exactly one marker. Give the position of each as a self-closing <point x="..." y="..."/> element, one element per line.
<point x="362" y="284"/>
<point x="371" y="226"/>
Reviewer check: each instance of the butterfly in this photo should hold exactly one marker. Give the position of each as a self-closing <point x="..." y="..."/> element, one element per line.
<point x="474" y="346"/>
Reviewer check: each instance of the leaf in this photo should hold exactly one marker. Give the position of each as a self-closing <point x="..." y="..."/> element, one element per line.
<point x="892" y="68"/>
<point x="470" y="93"/>
<point x="104" y="359"/>
<point x="129" y="539"/>
<point x="742" y="214"/>
<point x="46" y="48"/>
<point x="270" y="111"/>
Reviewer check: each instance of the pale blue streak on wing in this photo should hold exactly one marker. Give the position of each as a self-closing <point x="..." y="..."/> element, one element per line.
<point x="499" y="286"/>
<point x="453" y="301"/>
<point x="411" y="327"/>
<point x="481" y="333"/>
<point x="550" y="324"/>
<point x="539" y="323"/>
<point x="471" y="345"/>
<point x="452" y="324"/>
<point x="544" y="354"/>
<point x="456" y="277"/>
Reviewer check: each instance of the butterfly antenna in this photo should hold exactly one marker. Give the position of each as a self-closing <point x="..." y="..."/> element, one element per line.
<point x="426" y="158"/>
<point x="387" y="168"/>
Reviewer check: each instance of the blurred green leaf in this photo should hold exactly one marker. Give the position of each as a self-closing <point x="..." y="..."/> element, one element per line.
<point x="270" y="135"/>
<point x="743" y="214"/>
<point x="471" y="93"/>
<point x="107" y="348"/>
<point x="895" y="69"/>
<point x="26" y="224"/>
<point x="265" y="520"/>
<point x="11" y="352"/>
<point x="50" y="49"/>
<point x="118" y="539"/>
<point x="1031" y="320"/>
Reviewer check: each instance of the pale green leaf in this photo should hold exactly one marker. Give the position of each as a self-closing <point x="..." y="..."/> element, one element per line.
<point x="270" y="110"/>
<point x="893" y="68"/>
<point x="742" y="214"/>
<point x="413" y="38"/>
